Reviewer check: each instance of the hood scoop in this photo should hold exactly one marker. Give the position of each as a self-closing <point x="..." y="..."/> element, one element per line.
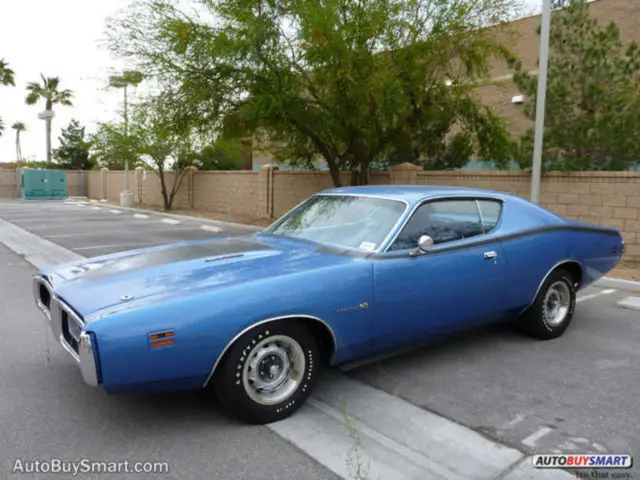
<point x="223" y="257"/>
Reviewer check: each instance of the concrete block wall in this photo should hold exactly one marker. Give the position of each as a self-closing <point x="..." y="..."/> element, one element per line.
<point x="604" y="198"/>
<point x="8" y="183"/>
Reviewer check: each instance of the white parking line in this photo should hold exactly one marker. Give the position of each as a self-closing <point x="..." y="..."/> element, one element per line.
<point x="211" y="228"/>
<point x="96" y="208"/>
<point x="140" y="215"/>
<point x="127" y="245"/>
<point x="531" y="440"/>
<point x="513" y="422"/>
<point x="594" y="295"/>
<point x="630" y="303"/>
<point x="171" y="221"/>
<point x="116" y="211"/>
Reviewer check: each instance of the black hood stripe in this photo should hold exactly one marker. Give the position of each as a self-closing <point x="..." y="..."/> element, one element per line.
<point x="145" y="261"/>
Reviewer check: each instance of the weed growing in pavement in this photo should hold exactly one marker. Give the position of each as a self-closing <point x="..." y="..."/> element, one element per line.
<point x="355" y="462"/>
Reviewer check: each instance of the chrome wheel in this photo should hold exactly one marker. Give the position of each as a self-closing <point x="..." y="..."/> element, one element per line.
<point x="274" y="370"/>
<point x="556" y="303"/>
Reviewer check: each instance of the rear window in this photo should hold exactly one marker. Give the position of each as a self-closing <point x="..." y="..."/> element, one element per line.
<point x="491" y="210"/>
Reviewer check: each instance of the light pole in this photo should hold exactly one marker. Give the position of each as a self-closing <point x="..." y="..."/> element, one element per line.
<point x="123" y="81"/>
<point x="541" y="101"/>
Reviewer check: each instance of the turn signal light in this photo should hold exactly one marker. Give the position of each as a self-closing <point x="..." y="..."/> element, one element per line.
<point x="161" y="339"/>
<point x="158" y="336"/>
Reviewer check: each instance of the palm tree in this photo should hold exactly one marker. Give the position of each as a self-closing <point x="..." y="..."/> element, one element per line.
<point x="49" y="91"/>
<point x="6" y="74"/>
<point x="18" y="127"/>
<point x="7" y="79"/>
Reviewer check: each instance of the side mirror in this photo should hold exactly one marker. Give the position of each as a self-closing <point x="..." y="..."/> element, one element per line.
<point x="424" y="245"/>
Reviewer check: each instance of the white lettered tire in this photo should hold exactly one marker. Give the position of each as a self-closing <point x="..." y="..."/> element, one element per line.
<point x="269" y="372"/>
<point x="552" y="311"/>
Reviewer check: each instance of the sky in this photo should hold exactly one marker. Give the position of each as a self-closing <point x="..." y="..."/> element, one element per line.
<point x="62" y="38"/>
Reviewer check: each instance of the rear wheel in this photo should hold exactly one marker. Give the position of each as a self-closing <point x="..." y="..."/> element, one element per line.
<point x="268" y="373"/>
<point x="551" y="312"/>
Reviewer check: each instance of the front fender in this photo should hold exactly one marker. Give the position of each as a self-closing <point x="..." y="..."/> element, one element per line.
<point x="204" y="324"/>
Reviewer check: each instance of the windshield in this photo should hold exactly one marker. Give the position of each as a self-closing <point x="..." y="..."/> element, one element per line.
<point x="343" y="220"/>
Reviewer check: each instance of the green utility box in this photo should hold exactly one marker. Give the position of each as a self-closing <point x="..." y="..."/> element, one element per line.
<point x="44" y="184"/>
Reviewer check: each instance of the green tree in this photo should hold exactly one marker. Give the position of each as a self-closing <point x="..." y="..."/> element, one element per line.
<point x="223" y="154"/>
<point x="346" y="80"/>
<point x="73" y="153"/>
<point x="165" y="143"/>
<point x="19" y="127"/>
<point x="592" y="119"/>
<point x="49" y="91"/>
<point x="111" y="147"/>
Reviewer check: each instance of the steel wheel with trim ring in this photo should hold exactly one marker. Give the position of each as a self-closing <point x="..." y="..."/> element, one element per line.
<point x="551" y="312"/>
<point x="269" y="372"/>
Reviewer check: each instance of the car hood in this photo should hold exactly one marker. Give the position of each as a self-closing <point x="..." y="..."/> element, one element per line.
<point x="178" y="269"/>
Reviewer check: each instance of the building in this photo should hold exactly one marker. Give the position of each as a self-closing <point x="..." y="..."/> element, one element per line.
<point x="500" y="93"/>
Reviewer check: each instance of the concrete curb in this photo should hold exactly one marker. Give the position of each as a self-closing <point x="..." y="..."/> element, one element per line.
<point x="176" y="216"/>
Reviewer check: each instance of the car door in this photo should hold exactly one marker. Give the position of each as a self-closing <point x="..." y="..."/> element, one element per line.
<point x="459" y="282"/>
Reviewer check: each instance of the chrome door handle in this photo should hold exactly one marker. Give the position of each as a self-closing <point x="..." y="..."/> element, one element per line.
<point x="490" y="255"/>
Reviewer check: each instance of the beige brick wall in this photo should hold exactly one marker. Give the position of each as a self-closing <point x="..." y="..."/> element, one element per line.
<point x="604" y="198"/>
<point x="93" y="185"/>
<point x="115" y="184"/>
<point x="292" y="187"/>
<point x="73" y="183"/>
<point x="236" y="192"/>
<point x="8" y="183"/>
<point x="152" y="190"/>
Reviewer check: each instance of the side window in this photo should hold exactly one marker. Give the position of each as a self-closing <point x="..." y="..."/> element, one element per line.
<point x="491" y="210"/>
<point x="443" y="220"/>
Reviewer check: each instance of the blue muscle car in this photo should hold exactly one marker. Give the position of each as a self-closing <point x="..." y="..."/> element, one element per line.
<point x="348" y="273"/>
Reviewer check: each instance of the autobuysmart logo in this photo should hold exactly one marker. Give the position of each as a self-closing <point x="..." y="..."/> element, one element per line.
<point x="582" y="461"/>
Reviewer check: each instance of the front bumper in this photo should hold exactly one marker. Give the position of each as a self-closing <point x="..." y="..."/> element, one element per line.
<point x="68" y="330"/>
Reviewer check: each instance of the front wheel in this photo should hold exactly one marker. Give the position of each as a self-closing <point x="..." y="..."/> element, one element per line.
<point x="551" y="312"/>
<point x="268" y="373"/>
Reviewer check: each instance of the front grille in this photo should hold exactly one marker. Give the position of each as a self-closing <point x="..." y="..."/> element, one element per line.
<point x="45" y="296"/>
<point x="71" y="325"/>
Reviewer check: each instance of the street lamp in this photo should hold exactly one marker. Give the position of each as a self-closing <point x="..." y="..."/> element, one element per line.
<point x="541" y="101"/>
<point x="124" y="81"/>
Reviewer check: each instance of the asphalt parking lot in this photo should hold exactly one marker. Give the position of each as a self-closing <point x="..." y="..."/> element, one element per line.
<point x="96" y="229"/>
<point x="575" y="394"/>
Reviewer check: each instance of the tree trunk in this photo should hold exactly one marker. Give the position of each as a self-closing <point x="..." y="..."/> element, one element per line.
<point x="177" y="182"/>
<point x="334" y="170"/>
<point x="18" y="146"/>
<point x="163" y="189"/>
<point x="363" y="170"/>
<point x="48" y="140"/>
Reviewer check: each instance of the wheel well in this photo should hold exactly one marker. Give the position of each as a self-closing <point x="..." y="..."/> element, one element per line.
<point x="574" y="269"/>
<point x="323" y="334"/>
<point x="320" y="331"/>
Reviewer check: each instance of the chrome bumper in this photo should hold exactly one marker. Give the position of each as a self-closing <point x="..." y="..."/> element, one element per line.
<point x="78" y="346"/>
